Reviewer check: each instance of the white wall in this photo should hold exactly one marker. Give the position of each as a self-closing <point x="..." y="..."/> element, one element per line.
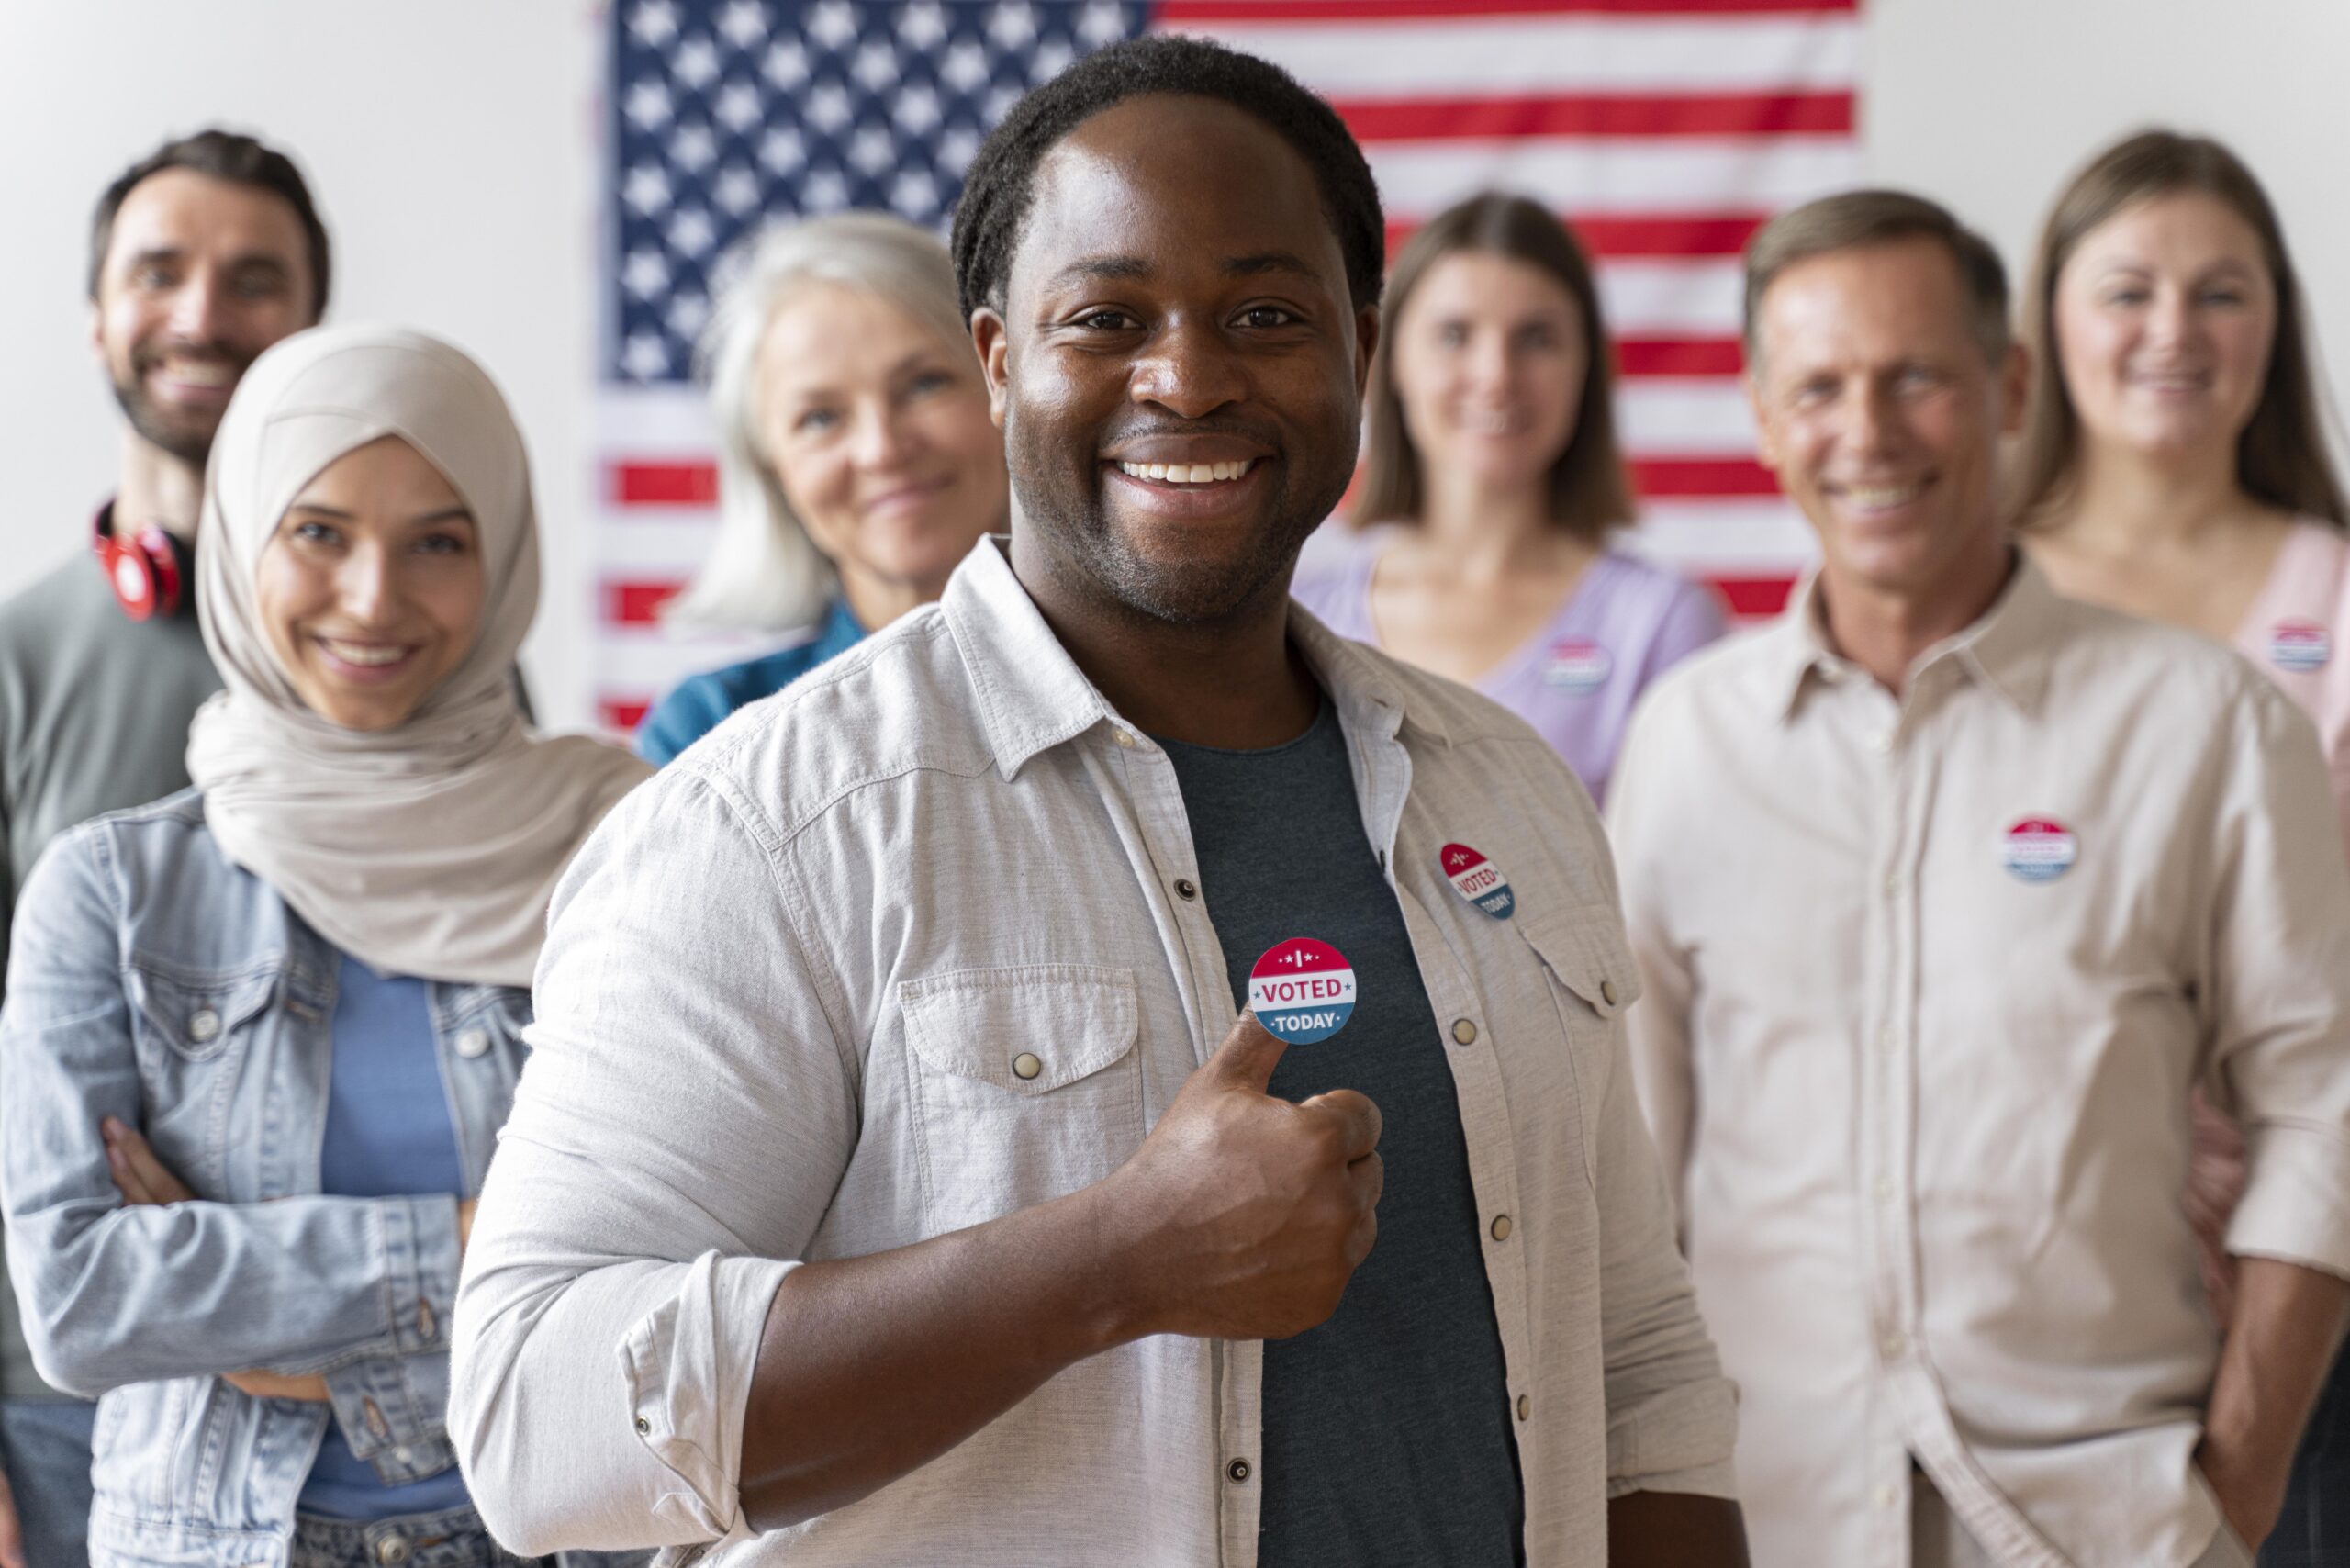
<point x="450" y="145"/>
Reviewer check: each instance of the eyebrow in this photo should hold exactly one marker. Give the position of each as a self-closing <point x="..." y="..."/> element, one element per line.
<point x="446" y="514"/>
<point x="1252" y="265"/>
<point x="159" y="255"/>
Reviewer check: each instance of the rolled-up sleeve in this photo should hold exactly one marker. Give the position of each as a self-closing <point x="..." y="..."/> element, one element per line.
<point x="2279" y="989"/>
<point x="676" y="1138"/>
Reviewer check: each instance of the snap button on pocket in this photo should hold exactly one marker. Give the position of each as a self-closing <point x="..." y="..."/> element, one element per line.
<point x="204" y="1027"/>
<point x="393" y="1551"/>
<point x="471" y="1042"/>
<point x="1025" y="1065"/>
<point x="1607" y="991"/>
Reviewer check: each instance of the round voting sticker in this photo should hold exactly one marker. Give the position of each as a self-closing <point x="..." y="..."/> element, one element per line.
<point x="1303" y="990"/>
<point x="1478" y="880"/>
<point x="2299" y="646"/>
<point x="1577" y="665"/>
<point x="2039" y="849"/>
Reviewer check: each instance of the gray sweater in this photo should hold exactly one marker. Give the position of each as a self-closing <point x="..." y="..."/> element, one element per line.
<point x="94" y="716"/>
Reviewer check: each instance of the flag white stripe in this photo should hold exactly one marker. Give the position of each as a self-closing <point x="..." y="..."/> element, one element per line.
<point x="1532" y="55"/>
<point x="1689" y="417"/>
<point x="1631" y="174"/>
<point x="1672" y="299"/>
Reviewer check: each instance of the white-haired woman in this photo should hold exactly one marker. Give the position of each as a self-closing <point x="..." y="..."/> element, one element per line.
<point x="858" y="464"/>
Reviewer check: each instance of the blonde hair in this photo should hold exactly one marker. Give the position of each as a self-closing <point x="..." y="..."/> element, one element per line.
<point x="763" y="572"/>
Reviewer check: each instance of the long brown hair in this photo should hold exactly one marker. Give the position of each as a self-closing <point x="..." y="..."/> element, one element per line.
<point x="2282" y="458"/>
<point x="1589" y="490"/>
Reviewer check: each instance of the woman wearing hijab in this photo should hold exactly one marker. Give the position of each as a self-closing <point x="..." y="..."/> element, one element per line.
<point x="1491" y="480"/>
<point x="260" y="1035"/>
<point x="858" y="464"/>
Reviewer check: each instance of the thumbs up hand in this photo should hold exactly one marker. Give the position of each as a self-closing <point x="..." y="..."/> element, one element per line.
<point x="1249" y="1213"/>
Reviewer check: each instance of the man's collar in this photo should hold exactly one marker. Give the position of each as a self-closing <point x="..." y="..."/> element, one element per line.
<point x="2007" y="646"/>
<point x="1033" y="697"/>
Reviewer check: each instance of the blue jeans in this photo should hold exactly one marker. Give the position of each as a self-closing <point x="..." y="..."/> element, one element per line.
<point x="2314" y="1530"/>
<point x="45" y="1449"/>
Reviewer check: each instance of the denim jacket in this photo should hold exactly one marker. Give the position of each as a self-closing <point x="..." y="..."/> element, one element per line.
<point x="154" y="980"/>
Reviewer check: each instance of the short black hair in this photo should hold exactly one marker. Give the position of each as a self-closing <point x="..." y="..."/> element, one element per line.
<point x="223" y="155"/>
<point x="1002" y="180"/>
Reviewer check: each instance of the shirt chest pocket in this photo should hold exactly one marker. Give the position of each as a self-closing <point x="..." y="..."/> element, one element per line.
<point x="1592" y="981"/>
<point x="1024" y="1085"/>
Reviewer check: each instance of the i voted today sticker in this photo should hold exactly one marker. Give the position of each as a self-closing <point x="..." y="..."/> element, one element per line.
<point x="2299" y="646"/>
<point x="2039" y="849"/>
<point x="1577" y="665"/>
<point x="1303" y="990"/>
<point x="1478" y="880"/>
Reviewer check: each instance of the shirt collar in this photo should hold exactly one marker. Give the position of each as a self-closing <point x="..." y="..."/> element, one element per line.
<point x="2007" y="647"/>
<point x="1032" y="696"/>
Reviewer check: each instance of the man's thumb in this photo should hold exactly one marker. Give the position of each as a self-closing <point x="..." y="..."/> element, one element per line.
<point x="1248" y="1056"/>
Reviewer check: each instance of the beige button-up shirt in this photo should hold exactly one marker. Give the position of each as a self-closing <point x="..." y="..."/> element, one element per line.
<point x="1929" y="982"/>
<point x="907" y="948"/>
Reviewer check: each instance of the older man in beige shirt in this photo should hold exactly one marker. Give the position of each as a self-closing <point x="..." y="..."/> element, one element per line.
<point x="1947" y="893"/>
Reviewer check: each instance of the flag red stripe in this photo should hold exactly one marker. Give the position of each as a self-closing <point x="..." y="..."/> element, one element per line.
<point x="622" y="714"/>
<point x="1700" y="478"/>
<point x="1679" y="356"/>
<point x="1658" y="113"/>
<point x="1169" y="12"/>
<point x="1753" y="596"/>
<point x="638" y="603"/>
<point x="636" y="483"/>
<point x="1621" y="237"/>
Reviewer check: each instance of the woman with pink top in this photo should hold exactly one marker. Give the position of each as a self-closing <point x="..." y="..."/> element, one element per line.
<point x="1491" y="481"/>
<point x="2174" y="465"/>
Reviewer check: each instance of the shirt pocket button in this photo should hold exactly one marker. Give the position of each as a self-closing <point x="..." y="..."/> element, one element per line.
<point x="471" y="1042"/>
<point x="203" y="1027"/>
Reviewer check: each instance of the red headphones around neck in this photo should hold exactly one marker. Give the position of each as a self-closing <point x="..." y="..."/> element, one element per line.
<point x="147" y="571"/>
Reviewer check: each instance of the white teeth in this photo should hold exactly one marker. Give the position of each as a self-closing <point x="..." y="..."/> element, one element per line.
<point x="1881" y="495"/>
<point x="364" y="653"/>
<point x="199" y="372"/>
<point x="1188" y="472"/>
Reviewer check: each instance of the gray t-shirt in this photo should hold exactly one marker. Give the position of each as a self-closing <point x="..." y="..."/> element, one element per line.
<point x="1387" y="1436"/>
<point x="94" y="716"/>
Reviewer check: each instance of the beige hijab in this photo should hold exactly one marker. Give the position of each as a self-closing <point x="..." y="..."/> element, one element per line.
<point x="431" y="848"/>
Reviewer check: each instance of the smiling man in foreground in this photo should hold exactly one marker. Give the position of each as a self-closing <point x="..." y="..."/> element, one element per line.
<point x="893" y="1176"/>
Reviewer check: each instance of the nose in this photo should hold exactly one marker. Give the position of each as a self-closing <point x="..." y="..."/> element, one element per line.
<point x="1189" y="369"/>
<point x="198" y="307"/>
<point x="367" y="585"/>
<point x="2171" y="318"/>
<point x="878" y="439"/>
<point x="1869" y="420"/>
<point x="1487" y="362"/>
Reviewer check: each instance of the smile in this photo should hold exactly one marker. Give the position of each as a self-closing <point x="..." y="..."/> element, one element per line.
<point x="363" y="661"/>
<point x="1187" y="473"/>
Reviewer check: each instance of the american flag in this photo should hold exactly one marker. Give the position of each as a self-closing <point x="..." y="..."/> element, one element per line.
<point x="1665" y="132"/>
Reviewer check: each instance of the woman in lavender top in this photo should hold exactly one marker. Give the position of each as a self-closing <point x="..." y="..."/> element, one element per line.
<point x="1492" y="479"/>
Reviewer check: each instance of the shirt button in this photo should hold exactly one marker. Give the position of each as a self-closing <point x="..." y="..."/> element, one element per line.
<point x="1882" y="741"/>
<point x="393" y="1549"/>
<point x="1525" y="1405"/>
<point x="203" y="1025"/>
<point x="1886" y="1497"/>
<point x="1124" y="739"/>
<point x="471" y="1042"/>
<point x="1184" y="889"/>
<point x="1501" y="1227"/>
<point x="1894" y="1345"/>
<point x="1026" y="1066"/>
<point x="402" y="1455"/>
<point x="1607" y="991"/>
<point x="1464" y="1032"/>
<point x="1884" y="1189"/>
<point x="1889" y="1039"/>
<point x="1893" y="884"/>
<point x="1237" y="1470"/>
<point x="643" y="1428"/>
